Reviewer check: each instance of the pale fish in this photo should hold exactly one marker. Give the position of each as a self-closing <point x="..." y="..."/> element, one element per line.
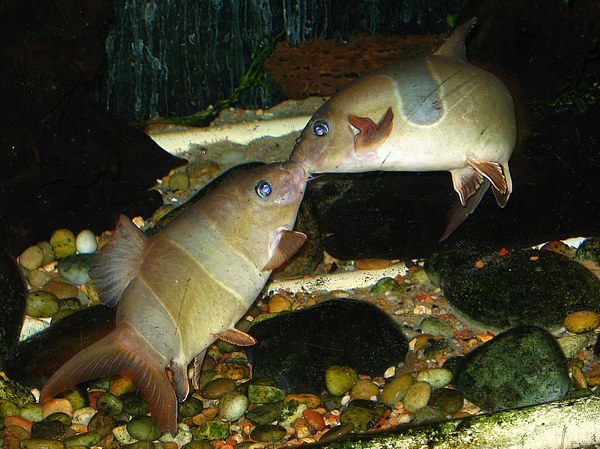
<point x="188" y="285"/>
<point x="437" y="112"/>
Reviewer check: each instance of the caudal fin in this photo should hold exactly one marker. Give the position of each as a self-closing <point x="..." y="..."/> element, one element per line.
<point x="123" y="351"/>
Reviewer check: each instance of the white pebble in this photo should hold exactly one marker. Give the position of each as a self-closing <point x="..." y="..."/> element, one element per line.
<point x="86" y="242"/>
<point x="122" y="436"/>
<point x="83" y="415"/>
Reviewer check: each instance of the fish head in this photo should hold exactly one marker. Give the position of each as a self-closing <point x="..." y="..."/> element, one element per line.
<point x="257" y="209"/>
<point x="326" y="141"/>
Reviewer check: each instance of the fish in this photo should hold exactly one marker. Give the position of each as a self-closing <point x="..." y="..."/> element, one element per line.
<point x="179" y="290"/>
<point x="432" y="113"/>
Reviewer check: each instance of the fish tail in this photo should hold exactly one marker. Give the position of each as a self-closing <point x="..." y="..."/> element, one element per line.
<point x="123" y="351"/>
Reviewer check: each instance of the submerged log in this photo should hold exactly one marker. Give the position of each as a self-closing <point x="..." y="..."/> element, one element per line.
<point x="568" y="423"/>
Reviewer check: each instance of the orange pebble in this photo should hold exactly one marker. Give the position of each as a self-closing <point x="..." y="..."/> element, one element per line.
<point x="314" y="419"/>
<point x="170" y="445"/>
<point x="56" y="405"/>
<point x="93" y="397"/>
<point x="18" y="421"/>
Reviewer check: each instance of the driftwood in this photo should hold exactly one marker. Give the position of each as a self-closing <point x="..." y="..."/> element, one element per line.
<point x="565" y="424"/>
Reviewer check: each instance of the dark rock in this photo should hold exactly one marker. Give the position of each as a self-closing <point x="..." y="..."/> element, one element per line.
<point x="522" y="366"/>
<point x="65" y="162"/>
<point x="296" y="348"/>
<point x="38" y="357"/>
<point x="12" y="300"/>
<point x="522" y="287"/>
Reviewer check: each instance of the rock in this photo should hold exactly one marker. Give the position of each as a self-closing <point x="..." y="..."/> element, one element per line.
<point x="436" y="377"/>
<point x="582" y="321"/>
<point x="436" y="327"/>
<point x="38" y="357"/>
<point x="31" y="258"/>
<point x="268" y="433"/>
<point x="143" y="428"/>
<point x="522" y="366"/>
<point x="15" y="393"/>
<point x="76" y="268"/>
<point x="385" y="285"/>
<point x="396" y="389"/>
<point x="86" y="242"/>
<point x="447" y="400"/>
<point x="362" y="415"/>
<point x="522" y="287"/>
<point x="41" y="304"/>
<point x="216" y="388"/>
<point x="12" y="298"/>
<point x="340" y="379"/>
<point x="417" y="396"/>
<point x="589" y="250"/>
<point x="296" y="348"/>
<point x="265" y="414"/>
<point x="428" y="415"/>
<point x="364" y="389"/>
<point x="211" y="430"/>
<point x="63" y="243"/>
<point x="265" y="394"/>
<point x="233" y="405"/>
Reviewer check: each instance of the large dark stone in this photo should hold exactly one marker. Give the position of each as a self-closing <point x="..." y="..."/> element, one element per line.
<point x="523" y="287"/>
<point x="12" y="305"/>
<point x="38" y="357"/>
<point x="65" y="162"/>
<point x="522" y="366"/>
<point x="296" y="348"/>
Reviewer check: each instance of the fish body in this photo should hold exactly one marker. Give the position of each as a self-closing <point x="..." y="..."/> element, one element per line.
<point x="433" y="113"/>
<point x="188" y="285"/>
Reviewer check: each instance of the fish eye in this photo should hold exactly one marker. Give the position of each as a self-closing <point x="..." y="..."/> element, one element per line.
<point x="263" y="188"/>
<point x="320" y="128"/>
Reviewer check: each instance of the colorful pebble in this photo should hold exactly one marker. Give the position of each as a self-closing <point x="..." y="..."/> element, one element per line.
<point x="582" y="321"/>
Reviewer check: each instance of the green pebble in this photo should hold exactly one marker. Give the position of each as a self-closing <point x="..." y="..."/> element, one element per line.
<point x="364" y="389"/>
<point x="331" y="402"/>
<point x="233" y="405"/>
<point x="85" y="439"/>
<point x="41" y="304"/>
<point x="42" y="443"/>
<point x="265" y="414"/>
<point x="385" y="285"/>
<point x="48" y="252"/>
<point x="179" y="181"/>
<point x="417" y="396"/>
<point x="340" y="379"/>
<point x="15" y="393"/>
<point x="32" y="412"/>
<point x="69" y="303"/>
<point x="447" y="400"/>
<point x="62" y="418"/>
<point x="199" y="444"/>
<point x="76" y="268"/>
<point x="589" y="249"/>
<point x="265" y="394"/>
<point x="268" y="433"/>
<point x="435" y="326"/>
<point x="77" y="397"/>
<point x="134" y="405"/>
<point x="109" y="404"/>
<point x="263" y="380"/>
<point x="291" y="412"/>
<point x="571" y="344"/>
<point x="212" y="430"/>
<point x="63" y="243"/>
<point x="61" y="314"/>
<point x="205" y="378"/>
<point x="102" y="424"/>
<point x="361" y="418"/>
<point x="8" y="408"/>
<point x="31" y="259"/>
<point x="429" y="415"/>
<point x="396" y="389"/>
<point x="216" y="388"/>
<point x="144" y="428"/>
<point x="226" y="348"/>
<point x="190" y="407"/>
<point x="436" y="377"/>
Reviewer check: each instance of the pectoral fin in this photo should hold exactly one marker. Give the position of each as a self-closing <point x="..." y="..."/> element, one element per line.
<point x="288" y="242"/>
<point x="236" y="337"/>
<point x="371" y="135"/>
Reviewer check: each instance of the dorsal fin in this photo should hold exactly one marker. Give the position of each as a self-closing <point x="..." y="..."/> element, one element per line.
<point x="454" y="46"/>
<point x="119" y="261"/>
<point x="288" y="243"/>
